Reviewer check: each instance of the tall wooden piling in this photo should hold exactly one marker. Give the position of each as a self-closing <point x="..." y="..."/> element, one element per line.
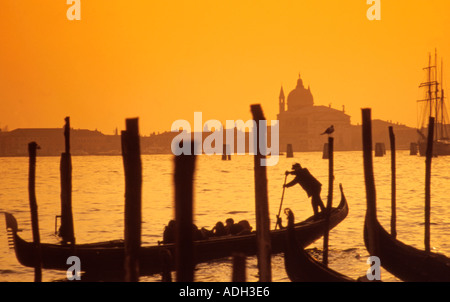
<point x="184" y="203"/>
<point x="66" y="230"/>
<point x="329" y="199"/>
<point x="239" y="269"/>
<point x="393" y="183"/>
<point x="429" y="155"/>
<point x="325" y="153"/>
<point x="133" y="198"/>
<point x="32" y="147"/>
<point x="368" y="173"/>
<point x="261" y="200"/>
<point x="289" y="151"/>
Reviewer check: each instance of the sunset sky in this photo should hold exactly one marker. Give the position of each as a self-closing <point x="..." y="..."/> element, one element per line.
<point x="164" y="60"/>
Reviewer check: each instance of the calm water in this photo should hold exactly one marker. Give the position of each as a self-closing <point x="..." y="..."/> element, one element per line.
<point x="223" y="189"/>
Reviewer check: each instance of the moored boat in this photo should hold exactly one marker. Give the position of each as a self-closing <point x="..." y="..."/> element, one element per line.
<point x="301" y="266"/>
<point x="108" y="257"/>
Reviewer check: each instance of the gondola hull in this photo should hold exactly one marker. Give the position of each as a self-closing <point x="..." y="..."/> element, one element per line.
<point x="300" y="266"/>
<point x="404" y="261"/>
<point x="108" y="257"/>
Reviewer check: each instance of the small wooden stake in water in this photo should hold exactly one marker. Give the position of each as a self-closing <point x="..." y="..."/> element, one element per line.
<point x="184" y="199"/>
<point x="289" y="151"/>
<point x="32" y="147"/>
<point x="393" y="183"/>
<point x="261" y="201"/>
<point x="380" y="149"/>
<point x="329" y="200"/>
<point x="133" y="198"/>
<point x="429" y="155"/>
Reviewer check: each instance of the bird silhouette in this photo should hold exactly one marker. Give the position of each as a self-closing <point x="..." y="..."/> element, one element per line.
<point x="329" y="130"/>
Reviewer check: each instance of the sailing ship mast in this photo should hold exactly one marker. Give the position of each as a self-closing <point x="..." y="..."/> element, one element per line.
<point x="431" y="98"/>
<point x="434" y="107"/>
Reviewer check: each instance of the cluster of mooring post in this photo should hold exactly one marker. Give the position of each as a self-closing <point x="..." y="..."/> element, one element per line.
<point x="184" y="171"/>
<point x="133" y="198"/>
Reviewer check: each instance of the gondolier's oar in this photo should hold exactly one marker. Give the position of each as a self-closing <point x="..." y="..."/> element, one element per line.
<point x="278" y="222"/>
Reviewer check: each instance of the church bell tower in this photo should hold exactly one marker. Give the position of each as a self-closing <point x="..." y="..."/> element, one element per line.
<point x="282" y="101"/>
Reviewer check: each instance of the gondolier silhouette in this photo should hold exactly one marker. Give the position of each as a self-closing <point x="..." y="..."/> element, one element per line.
<point x="309" y="183"/>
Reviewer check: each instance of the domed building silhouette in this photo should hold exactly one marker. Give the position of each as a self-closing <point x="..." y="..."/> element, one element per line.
<point x="301" y="122"/>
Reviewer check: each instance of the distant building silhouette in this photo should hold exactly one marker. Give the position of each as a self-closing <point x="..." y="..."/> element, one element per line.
<point x="302" y="122"/>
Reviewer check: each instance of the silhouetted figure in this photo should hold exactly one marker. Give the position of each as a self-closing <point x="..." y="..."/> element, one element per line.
<point x="309" y="183"/>
<point x="329" y="130"/>
<point x="169" y="232"/>
<point x="232" y="228"/>
<point x="197" y="234"/>
<point x="246" y="228"/>
<point x="217" y="231"/>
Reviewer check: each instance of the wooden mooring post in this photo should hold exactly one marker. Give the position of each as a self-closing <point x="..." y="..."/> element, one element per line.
<point x="429" y="156"/>
<point x="184" y="203"/>
<point x="66" y="230"/>
<point x="325" y="153"/>
<point x="393" y="184"/>
<point x="369" y="178"/>
<point x="380" y="149"/>
<point x="131" y="155"/>
<point x="32" y="147"/>
<point x="226" y="154"/>
<point x="329" y="200"/>
<point x="289" y="151"/>
<point x="239" y="269"/>
<point x="413" y="149"/>
<point x="261" y="201"/>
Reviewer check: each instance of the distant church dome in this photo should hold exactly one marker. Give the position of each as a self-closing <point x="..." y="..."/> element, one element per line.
<point x="299" y="97"/>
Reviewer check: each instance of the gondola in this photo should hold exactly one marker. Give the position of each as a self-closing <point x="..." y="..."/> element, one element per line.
<point x="401" y="260"/>
<point x="108" y="257"/>
<point x="302" y="267"/>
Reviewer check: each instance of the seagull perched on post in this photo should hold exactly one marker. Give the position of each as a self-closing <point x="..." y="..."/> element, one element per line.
<point x="329" y="130"/>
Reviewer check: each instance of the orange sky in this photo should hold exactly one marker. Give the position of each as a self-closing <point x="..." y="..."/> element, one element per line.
<point x="163" y="60"/>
